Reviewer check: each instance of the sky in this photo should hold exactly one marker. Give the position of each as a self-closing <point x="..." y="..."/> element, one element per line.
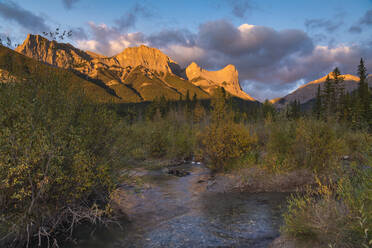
<point x="275" y="45"/>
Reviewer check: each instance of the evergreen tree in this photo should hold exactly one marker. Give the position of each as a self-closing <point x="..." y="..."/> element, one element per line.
<point x="219" y="106"/>
<point x="199" y="113"/>
<point x="294" y="110"/>
<point x="363" y="92"/>
<point x="188" y="104"/>
<point x="194" y="98"/>
<point x="339" y="91"/>
<point x="188" y="96"/>
<point x="268" y="109"/>
<point x="318" y="104"/>
<point x="163" y="106"/>
<point x="328" y="92"/>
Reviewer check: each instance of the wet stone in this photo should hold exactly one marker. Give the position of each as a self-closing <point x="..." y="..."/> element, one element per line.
<point x="178" y="172"/>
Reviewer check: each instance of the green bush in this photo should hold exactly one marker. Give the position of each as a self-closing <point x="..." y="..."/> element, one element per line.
<point x="158" y="139"/>
<point x="221" y="144"/>
<point x="317" y="145"/>
<point x="341" y="215"/>
<point x="278" y="149"/>
<point x="57" y="154"/>
<point x="303" y="143"/>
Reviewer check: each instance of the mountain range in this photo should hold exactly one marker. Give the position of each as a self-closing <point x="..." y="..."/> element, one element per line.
<point x="136" y="74"/>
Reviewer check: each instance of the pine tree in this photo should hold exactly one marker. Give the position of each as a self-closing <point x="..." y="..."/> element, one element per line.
<point x="219" y="106"/>
<point x="327" y="95"/>
<point x="188" y="104"/>
<point x="363" y="92"/>
<point x="199" y="113"/>
<point x="318" y="104"/>
<point x="339" y="91"/>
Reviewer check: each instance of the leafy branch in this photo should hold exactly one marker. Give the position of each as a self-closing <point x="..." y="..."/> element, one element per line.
<point x="58" y="34"/>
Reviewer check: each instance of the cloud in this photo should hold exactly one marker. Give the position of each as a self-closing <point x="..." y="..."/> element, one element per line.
<point x="355" y="29"/>
<point x="240" y="8"/>
<point x="169" y="37"/>
<point x="26" y="19"/>
<point x="108" y="40"/>
<point x="68" y="4"/>
<point x="79" y="33"/>
<point x="328" y="25"/>
<point x="270" y="62"/>
<point x="129" y="19"/>
<point x="365" y="20"/>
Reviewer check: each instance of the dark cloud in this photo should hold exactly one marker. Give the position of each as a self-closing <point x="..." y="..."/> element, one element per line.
<point x="68" y="4"/>
<point x="328" y="25"/>
<point x="129" y="19"/>
<point x="365" y="20"/>
<point x="251" y="48"/>
<point x="355" y="29"/>
<point x="26" y="19"/>
<point x="79" y="33"/>
<point x="172" y="37"/>
<point x="240" y="8"/>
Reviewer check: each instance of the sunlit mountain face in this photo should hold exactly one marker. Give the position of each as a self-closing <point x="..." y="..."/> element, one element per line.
<point x="136" y="74"/>
<point x="273" y="53"/>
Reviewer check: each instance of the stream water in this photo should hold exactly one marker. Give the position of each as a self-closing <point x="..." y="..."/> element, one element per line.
<point x="183" y="212"/>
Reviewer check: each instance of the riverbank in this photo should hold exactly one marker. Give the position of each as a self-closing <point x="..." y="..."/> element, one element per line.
<point x="256" y="179"/>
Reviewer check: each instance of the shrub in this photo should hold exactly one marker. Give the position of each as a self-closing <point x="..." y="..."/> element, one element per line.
<point x="222" y="143"/>
<point x="317" y="145"/>
<point x="278" y="149"/>
<point x="303" y="143"/>
<point x="359" y="145"/>
<point x="57" y="154"/>
<point x="315" y="220"/>
<point x="340" y="215"/>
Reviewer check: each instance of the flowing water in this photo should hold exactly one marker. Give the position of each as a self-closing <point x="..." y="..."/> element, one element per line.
<point x="183" y="212"/>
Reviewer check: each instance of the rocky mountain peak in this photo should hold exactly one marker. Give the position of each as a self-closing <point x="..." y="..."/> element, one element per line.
<point x="58" y="54"/>
<point x="145" y="56"/>
<point x="228" y="78"/>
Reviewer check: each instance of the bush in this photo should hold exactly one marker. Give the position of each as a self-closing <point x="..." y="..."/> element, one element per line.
<point x="158" y="139"/>
<point x="278" y="149"/>
<point x="340" y="215"/>
<point x="221" y="144"/>
<point x="303" y="143"/>
<point x="57" y="154"/>
<point x="317" y="145"/>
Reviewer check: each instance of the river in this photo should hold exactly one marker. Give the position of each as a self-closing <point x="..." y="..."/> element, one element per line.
<point x="185" y="211"/>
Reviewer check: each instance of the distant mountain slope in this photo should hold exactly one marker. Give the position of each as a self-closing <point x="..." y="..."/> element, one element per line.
<point x="308" y="91"/>
<point x="15" y="67"/>
<point x="136" y="74"/>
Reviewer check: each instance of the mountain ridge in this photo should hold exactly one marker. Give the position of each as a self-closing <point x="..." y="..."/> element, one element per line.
<point x="134" y="71"/>
<point x="307" y="92"/>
